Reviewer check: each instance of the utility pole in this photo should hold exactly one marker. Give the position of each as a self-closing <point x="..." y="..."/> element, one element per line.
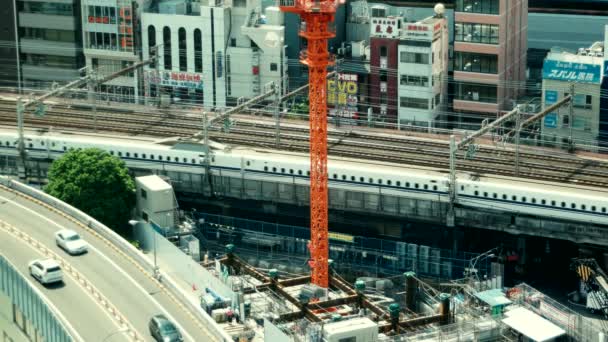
<point x="517" y="133"/>
<point x="277" y="116"/>
<point x="92" y="85"/>
<point x="571" y="109"/>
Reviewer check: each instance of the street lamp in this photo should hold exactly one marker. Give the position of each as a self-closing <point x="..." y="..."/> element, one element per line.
<point x="156" y="270"/>
<point x="472" y="271"/>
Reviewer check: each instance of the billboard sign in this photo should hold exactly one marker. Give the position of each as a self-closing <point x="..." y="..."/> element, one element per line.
<point x="178" y="79"/>
<point x="385" y="27"/>
<point x="551" y="118"/>
<point x="342" y="96"/>
<point x="571" y="72"/>
<point x="418" y="31"/>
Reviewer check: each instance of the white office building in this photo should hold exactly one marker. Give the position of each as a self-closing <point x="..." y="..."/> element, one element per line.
<point x="213" y="52"/>
<point x="423" y="71"/>
<point x="110" y="44"/>
<point x="580" y="73"/>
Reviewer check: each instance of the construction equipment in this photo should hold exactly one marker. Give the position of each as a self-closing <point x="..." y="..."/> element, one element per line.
<point x="316" y="16"/>
<point x="594" y="282"/>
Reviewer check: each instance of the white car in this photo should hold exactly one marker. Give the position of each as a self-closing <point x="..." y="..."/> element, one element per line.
<point x="46" y="271"/>
<point x="70" y="241"/>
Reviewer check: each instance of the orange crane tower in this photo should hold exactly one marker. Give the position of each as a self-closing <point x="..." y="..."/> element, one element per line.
<point x="316" y="16"/>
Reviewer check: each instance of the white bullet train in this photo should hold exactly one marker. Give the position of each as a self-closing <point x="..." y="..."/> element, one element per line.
<point x="536" y="198"/>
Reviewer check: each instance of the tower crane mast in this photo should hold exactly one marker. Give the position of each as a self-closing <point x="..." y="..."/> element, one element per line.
<point x="317" y="17"/>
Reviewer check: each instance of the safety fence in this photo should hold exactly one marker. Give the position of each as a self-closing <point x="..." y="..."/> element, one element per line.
<point x="349" y="252"/>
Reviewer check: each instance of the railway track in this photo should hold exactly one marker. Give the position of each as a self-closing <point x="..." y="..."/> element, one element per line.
<point x="395" y="149"/>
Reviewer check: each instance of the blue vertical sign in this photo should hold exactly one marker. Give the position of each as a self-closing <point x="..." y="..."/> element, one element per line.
<point x="551" y="118"/>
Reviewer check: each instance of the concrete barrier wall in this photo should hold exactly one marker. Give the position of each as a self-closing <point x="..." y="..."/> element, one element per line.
<point x="123" y="245"/>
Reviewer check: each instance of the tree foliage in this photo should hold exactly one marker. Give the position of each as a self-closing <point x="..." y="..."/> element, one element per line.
<point x="95" y="182"/>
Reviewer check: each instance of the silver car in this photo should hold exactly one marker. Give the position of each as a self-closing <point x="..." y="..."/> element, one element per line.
<point x="70" y="242"/>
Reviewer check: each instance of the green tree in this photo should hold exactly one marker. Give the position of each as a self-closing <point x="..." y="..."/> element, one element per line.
<point x="95" y="182"/>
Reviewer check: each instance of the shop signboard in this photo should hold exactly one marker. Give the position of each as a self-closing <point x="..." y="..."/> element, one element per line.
<point x="571" y="72"/>
<point x="178" y="79"/>
<point x="551" y="118"/>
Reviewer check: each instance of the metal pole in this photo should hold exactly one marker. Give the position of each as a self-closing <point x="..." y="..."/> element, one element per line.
<point x="155" y="264"/>
<point x="93" y="97"/>
<point x="571" y="109"/>
<point x="451" y="215"/>
<point x="21" y="143"/>
<point x="157" y="71"/>
<point x="517" y="133"/>
<point x="277" y="117"/>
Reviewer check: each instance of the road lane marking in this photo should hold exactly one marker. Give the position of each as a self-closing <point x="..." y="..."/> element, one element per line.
<point x="152" y="299"/>
<point x="105" y="305"/>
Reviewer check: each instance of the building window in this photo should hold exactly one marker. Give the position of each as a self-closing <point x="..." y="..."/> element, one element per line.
<point x="144" y="194"/>
<point x="383" y="51"/>
<point x="418" y="81"/>
<point x="412" y="102"/>
<point x="274" y="67"/>
<point x="478" y="6"/>
<point x="476" y="33"/>
<point x="581" y="101"/>
<point x="183" y="49"/>
<point x="167" y="47"/>
<point x="151" y="42"/>
<point x="476" y="92"/>
<point x="475" y="62"/>
<point x="48" y="7"/>
<point x="198" y="51"/>
<point x="413" y="57"/>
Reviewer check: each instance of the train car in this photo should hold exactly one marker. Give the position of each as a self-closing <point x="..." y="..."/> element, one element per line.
<point x="517" y="196"/>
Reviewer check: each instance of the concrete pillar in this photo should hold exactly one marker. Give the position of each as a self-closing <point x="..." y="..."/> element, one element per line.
<point x="411" y="285"/>
<point x="521" y="249"/>
<point x="444" y="308"/>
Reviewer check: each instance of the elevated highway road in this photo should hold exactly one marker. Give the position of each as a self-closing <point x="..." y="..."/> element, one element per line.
<point x="130" y="290"/>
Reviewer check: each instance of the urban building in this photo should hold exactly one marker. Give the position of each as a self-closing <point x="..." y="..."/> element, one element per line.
<point x="409" y="68"/>
<point x="49" y="41"/>
<point x="580" y="74"/>
<point x="490" y="43"/>
<point x="423" y="72"/>
<point x="9" y="51"/>
<point x="384" y="62"/>
<point x="110" y="44"/>
<point x="214" y="52"/>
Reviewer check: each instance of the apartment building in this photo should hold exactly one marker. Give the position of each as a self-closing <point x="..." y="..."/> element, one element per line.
<point x="50" y="48"/>
<point x="423" y="72"/>
<point x="490" y="43"/>
<point x="110" y="44"/>
<point x="408" y="68"/>
<point x="213" y="52"/>
<point x="581" y="74"/>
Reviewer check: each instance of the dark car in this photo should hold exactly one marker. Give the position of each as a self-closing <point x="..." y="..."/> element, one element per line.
<point x="163" y="330"/>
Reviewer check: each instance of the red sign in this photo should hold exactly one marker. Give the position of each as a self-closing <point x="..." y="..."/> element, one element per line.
<point x="99" y="20"/>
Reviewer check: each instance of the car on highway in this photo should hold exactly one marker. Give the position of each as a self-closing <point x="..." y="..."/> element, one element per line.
<point x="46" y="271"/>
<point x="163" y="330"/>
<point x="70" y="242"/>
